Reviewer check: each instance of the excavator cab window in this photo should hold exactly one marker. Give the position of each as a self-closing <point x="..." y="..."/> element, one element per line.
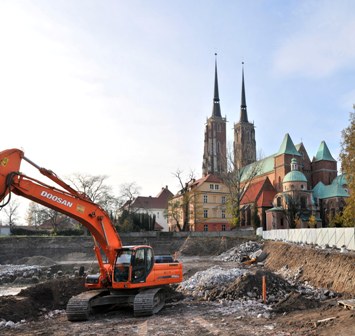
<point x="142" y="263"/>
<point x="123" y="262"/>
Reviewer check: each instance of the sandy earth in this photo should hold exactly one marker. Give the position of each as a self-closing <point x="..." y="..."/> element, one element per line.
<point x="42" y="308"/>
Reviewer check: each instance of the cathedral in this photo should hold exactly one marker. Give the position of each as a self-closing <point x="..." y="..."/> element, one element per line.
<point x="285" y="184"/>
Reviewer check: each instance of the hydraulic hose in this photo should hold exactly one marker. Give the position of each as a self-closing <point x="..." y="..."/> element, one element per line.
<point x="8" y="183"/>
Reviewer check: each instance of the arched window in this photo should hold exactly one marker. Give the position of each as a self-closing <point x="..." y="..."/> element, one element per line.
<point x="303" y="202"/>
<point x="278" y="201"/>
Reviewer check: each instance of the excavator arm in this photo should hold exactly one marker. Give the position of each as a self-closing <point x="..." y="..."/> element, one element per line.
<point x="68" y="201"/>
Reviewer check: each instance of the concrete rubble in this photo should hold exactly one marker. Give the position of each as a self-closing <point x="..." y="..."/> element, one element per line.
<point x="20" y="274"/>
<point x="237" y="253"/>
<point x="239" y="289"/>
<point x="36" y="269"/>
<point x="200" y="284"/>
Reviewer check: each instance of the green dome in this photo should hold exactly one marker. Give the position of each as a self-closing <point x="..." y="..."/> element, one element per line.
<point x="294" y="176"/>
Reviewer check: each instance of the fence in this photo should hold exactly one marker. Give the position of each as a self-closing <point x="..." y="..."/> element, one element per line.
<point x="338" y="237"/>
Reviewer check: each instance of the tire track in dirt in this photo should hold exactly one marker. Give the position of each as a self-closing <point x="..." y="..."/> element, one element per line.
<point x="143" y="328"/>
<point x="207" y="325"/>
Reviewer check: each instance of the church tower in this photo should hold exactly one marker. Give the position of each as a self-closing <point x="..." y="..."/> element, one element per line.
<point x="215" y="148"/>
<point x="244" y="135"/>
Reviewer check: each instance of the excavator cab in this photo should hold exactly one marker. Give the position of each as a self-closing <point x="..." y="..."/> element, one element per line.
<point x="133" y="264"/>
<point x="123" y="265"/>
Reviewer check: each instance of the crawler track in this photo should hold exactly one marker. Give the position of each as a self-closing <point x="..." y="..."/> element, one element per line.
<point x="79" y="308"/>
<point x="149" y="302"/>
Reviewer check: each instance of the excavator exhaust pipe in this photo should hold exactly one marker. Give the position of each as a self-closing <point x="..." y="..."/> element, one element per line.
<point x="10" y="161"/>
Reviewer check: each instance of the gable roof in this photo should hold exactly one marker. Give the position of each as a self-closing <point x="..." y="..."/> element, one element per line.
<point x="208" y="178"/>
<point x="261" y="192"/>
<point x="159" y="202"/>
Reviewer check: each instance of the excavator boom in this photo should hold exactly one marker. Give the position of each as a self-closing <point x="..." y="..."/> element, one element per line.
<point x="70" y="203"/>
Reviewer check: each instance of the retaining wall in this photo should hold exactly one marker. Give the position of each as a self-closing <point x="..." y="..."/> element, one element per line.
<point x="80" y="248"/>
<point x="338" y="237"/>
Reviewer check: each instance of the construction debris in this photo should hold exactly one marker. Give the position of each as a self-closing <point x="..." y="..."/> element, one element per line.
<point x="243" y="252"/>
<point x="202" y="283"/>
<point x="323" y="321"/>
<point x="349" y="304"/>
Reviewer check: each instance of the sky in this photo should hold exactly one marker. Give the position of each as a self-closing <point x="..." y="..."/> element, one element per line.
<point x="124" y="88"/>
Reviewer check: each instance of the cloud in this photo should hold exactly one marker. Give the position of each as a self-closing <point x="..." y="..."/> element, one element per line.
<point x="321" y="44"/>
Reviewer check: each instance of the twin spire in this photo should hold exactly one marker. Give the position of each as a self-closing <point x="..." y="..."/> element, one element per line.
<point x="216" y="111"/>
<point x="243" y="104"/>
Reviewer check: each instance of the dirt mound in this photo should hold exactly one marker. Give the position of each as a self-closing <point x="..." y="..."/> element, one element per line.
<point x="322" y="268"/>
<point x="195" y="246"/>
<point x="249" y="286"/>
<point x="36" y="260"/>
<point x="295" y="301"/>
<point x="36" y="300"/>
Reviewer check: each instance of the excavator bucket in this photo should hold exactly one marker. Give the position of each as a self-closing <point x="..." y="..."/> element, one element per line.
<point x="10" y="161"/>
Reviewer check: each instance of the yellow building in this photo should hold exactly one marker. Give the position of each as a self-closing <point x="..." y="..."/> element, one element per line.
<point x="200" y="206"/>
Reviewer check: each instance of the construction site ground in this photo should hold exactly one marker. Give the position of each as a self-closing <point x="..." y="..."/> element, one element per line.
<point x="40" y="309"/>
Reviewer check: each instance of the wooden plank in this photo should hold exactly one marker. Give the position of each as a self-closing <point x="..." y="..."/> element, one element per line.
<point x="349" y="304"/>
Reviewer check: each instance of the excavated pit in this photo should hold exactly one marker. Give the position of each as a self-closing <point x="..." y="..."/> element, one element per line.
<point x="326" y="274"/>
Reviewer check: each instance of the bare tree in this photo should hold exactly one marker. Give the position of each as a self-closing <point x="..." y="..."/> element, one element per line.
<point x="11" y="212"/>
<point x="54" y="218"/>
<point x="291" y="210"/>
<point x="96" y="189"/>
<point x="237" y="181"/>
<point x="32" y="215"/>
<point x="38" y="215"/>
<point x="128" y="193"/>
<point x="179" y="206"/>
<point x="92" y="186"/>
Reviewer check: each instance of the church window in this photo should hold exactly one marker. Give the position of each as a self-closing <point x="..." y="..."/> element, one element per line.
<point x="248" y="217"/>
<point x="303" y="202"/>
<point x="219" y="128"/>
<point x="278" y="201"/>
<point x="302" y="186"/>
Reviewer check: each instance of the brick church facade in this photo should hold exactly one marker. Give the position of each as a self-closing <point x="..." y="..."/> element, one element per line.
<point x="325" y="190"/>
<point x="284" y="181"/>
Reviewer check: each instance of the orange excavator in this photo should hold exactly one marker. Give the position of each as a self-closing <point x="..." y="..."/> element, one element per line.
<point x="129" y="275"/>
